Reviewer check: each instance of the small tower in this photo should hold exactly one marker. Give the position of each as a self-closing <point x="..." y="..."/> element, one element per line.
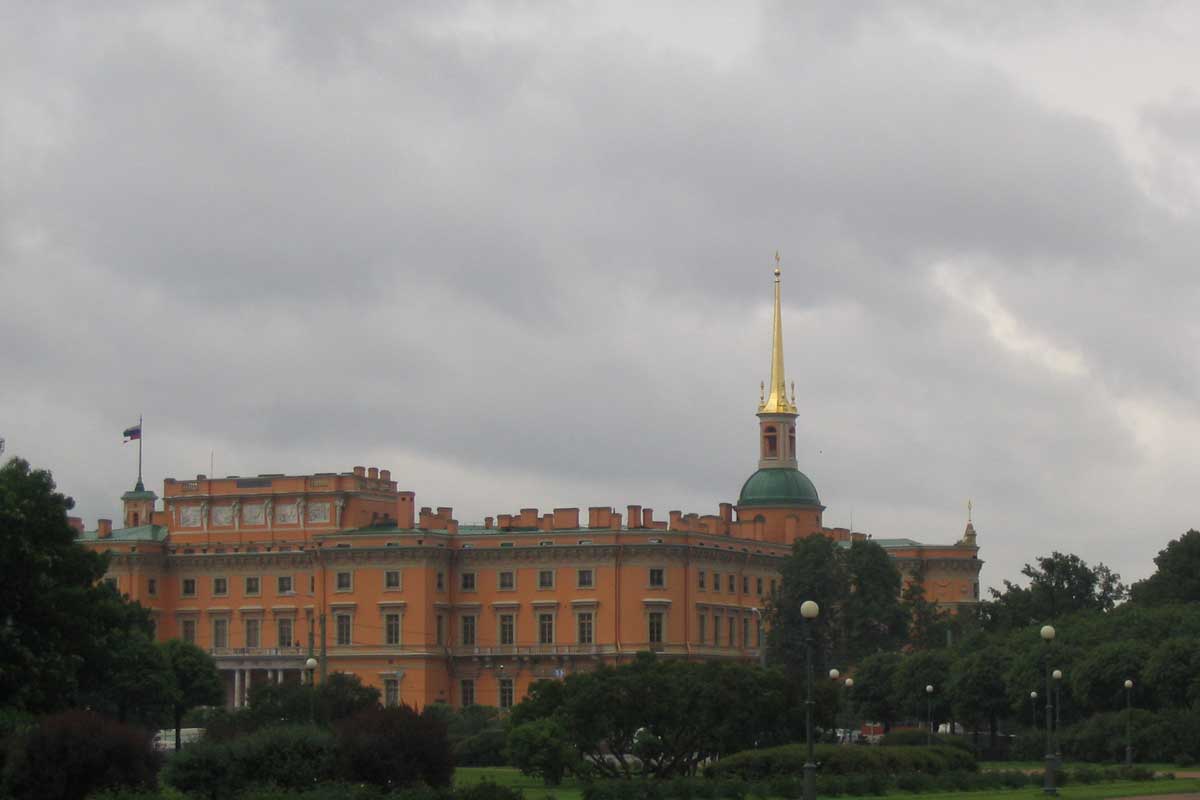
<point x="139" y="505"/>
<point x="968" y="537"/>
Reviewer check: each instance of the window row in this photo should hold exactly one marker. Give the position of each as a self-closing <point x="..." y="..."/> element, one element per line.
<point x="505" y="692"/>
<point x="727" y="626"/>
<point x="506" y="579"/>
<point x="343" y="581"/>
<point x="731" y="583"/>
<point x="252" y="633"/>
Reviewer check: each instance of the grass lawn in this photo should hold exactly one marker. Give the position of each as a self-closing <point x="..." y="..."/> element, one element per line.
<point x="1040" y="765"/>
<point x="534" y="790"/>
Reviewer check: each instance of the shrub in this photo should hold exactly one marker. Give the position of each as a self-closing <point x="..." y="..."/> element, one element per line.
<point x="285" y="757"/>
<point x="541" y="748"/>
<point x="755" y="765"/>
<point x="486" y="790"/>
<point x="70" y="755"/>
<point x="917" y="738"/>
<point x="394" y="747"/>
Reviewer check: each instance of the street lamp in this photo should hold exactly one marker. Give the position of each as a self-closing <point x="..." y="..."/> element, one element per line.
<point x="837" y="704"/>
<point x="849" y="684"/>
<point x="762" y="650"/>
<point x="1128" y="723"/>
<point x="1033" y="708"/>
<point x="1057" y="717"/>
<point x="929" y="713"/>
<point x="809" y="611"/>
<point x="311" y="666"/>
<point x="1047" y="634"/>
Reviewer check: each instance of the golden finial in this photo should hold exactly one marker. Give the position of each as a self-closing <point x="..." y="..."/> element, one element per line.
<point x="970" y="511"/>
<point x="762" y="392"/>
<point x="793" y="393"/>
<point x="776" y="266"/>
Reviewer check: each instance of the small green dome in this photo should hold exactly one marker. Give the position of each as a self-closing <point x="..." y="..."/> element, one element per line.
<point x="779" y="487"/>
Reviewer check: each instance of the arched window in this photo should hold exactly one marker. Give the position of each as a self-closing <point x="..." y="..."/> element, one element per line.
<point x="135" y="519"/>
<point x="791" y="451"/>
<point x="770" y="442"/>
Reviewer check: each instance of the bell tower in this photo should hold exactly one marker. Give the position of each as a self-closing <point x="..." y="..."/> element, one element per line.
<point x="776" y="413"/>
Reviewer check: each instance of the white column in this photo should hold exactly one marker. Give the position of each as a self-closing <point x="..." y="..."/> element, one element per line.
<point x="237" y="688"/>
<point x="279" y="676"/>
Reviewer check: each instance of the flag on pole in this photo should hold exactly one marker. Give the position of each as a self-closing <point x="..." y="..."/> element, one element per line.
<point x="133" y="433"/>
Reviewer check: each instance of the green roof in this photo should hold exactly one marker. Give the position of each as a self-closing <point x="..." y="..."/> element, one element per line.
<point x="141" y="533"/>
<point x="779" y="487"/>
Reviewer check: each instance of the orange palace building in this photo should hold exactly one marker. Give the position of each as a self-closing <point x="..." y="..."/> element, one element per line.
<point x="266" y="571"/>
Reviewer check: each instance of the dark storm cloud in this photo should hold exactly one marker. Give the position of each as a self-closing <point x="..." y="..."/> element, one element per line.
<point x="530" y="252"/>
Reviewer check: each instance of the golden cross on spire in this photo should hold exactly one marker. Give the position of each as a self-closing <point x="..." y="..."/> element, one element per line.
<point x="970" y="510"/>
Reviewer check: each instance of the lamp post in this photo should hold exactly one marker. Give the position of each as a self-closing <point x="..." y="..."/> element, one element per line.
<point x="1033" y="708"/>
<point x="929" y="713"/>
<point x="311" y="666"/>
<point x="1057" y="717"/>
<point x="762" y="648"/>
<point x="837" y="705"/>
<point x="809" y="611"/>
<point x="1047" y="634"/>
<point x="849" y="684"/>
<point x="1128" y="723"/>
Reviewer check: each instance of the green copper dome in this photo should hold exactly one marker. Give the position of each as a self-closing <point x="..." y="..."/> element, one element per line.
<point x="779" y="487"/>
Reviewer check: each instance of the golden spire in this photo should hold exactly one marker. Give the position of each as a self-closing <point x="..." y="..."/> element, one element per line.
<point x="777" y="400"/>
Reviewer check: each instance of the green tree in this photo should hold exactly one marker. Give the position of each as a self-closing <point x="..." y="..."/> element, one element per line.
<point x="915" y="672"/>
<point x="1177" y="577"/>
<point x="1098" y="679"/>
<point x="48" y="594"/>
<point x="977" y="688"/>
<point x="1172" y="672"/>
<point x="871" y="614"/>
<point x="816" y="571"/>
<point x="541" y="748"/>
<point x="1060" y="584"/>
<point x="875" y="689"/>
<point x="194" y="678"/>
<point x="926" y="622"/>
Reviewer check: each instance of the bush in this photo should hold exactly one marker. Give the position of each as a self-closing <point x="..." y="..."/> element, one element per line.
<point x="486" y="790"/>
<point x="756" y="765"/>
<point x="284" y="757"/>
<point x="70" y="755"/>
<point x="326" y="791"/>
<point x="393" y="748"/>
<point x="918" y="738"/>
<point x="541" y="748"/>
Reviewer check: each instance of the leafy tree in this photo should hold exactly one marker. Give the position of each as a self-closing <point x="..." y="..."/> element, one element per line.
<point x="875" y="691"/>
<point x="1060" y="584"/>
<point x="1098" y="680"/>
<point x="915" y="672"/>
<point x="194" y="680"/>
<point x="977" y="688"/>
<point x="394" y="747"/>
<point x="1177" y="579"/>
<point x="1172" y="672"/>
<point x="871" y="611"/>
<point x="816" y="571"/>
<point x="926" y="622"/>
<point x="541" y="748"/>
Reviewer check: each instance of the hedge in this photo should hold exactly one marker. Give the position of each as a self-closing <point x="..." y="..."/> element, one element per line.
<point x="753" y="765"/>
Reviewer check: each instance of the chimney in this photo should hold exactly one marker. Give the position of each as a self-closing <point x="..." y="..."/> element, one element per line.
<point x="405" y="502"/>
<point x="566" y="518"/>
<point x="647" y="517"/>
<point x="634" y="515"/>
<point x="103" y="528"/>
<point x="424" y="518"/>
<point x="360" y="472"/>
<point x="547" y="522"/>
<point x="615" y="521"/>
<point x="727" y="512"/>
<point x="76" y="524"/>
<point x="676" y="519"/>
<point x="373" y="473"/>
<point x="445" y="512"/>
<point x="451" y="526"/>
<point x="599" y="517"/>
<point x="487" y="522"/>
<point x="385" y="475"/>
<point x="528" y="519"/>
<point x="504" y="521"/>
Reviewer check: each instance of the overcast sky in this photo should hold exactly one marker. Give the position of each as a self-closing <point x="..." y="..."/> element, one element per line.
<point x="521" y="254"/>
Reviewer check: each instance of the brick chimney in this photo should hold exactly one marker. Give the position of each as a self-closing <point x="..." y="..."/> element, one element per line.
<point x="103" y="528"/>
<point x="405" y="503"/>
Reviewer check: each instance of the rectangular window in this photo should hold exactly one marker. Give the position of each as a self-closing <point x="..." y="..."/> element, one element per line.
<point x="441" y="629"/>
<point x="468" y="581"/>
<point x="391" y="624"/>
<point x="441" y="581"/>
<point x="189" y="631"/>
<point x="220" y="587"/>
<point x="507" y="629"/>
<point x="506" y="693"/>
<point x="252" y="586"/>
<point x="545" y="579"/>
<point x="545" y="629"/>
<point x="391" y="692"/>
<point x="657" y="577"/>
<point x="343" y="629"/>
<point x="468" y="630"/>
<point x="220" y="633"/>
<point x="283" y="627"/>
<point x="745" y="584"/>
<point x="772" y="587"/>
<point x="585" y="579"/>
<point x="716" y="581"/>
<point x="585" y="627"/>
<point x="508" y="580"/>
<point x="745" y="631"/>
<point x="732" y="631"/>
<point x="344" y="581"/>
<point x="189" y="587"/>
<point x="732" y="583"/>
<point x="758" y="631"/>
<point x="466" y="690"/>
<point x="284" y="584"/>
<point x="758" y="586"/>
<point x="700" y="575"/>
<point x="716" y="630"/>
<point x="251" y="632"/>
<point x="656" y="627"/>
<point x="152" y="587"/>
<point x="701" y="628"/>
<point x="391" y="579"/>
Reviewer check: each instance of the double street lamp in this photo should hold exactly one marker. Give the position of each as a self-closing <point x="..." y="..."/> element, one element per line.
<point x="809" y="611"/>
<point x="1128" y="723"/>
<point x="1033" y="708"/>
<point x="1047" y="634"/>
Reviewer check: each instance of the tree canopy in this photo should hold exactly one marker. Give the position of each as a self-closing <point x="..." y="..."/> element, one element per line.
<point x="1177" y="577"/>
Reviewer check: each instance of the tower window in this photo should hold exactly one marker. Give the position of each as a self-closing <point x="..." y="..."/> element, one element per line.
<point x="770" y="442"/>
<point x="791" y="441"/>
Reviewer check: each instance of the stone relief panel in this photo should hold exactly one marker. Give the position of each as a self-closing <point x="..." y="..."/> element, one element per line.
<point x="253" y="514"/>
<point x="222" y="515"/>
<point x="318" y="513"/>
<point x="189" y="517"/>
<point x="286" y="514"/>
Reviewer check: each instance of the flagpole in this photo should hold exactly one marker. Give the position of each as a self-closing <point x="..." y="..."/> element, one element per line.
<point x="139" y="483"/>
